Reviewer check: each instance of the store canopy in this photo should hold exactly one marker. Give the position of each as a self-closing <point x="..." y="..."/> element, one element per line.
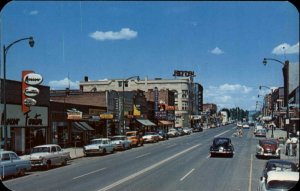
<point x="146" y="122"/>
<point x="163" y="122"/>
<point x="83" y="126"/>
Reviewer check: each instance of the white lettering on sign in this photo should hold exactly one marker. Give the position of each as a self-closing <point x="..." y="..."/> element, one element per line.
<point x="31" y="91"/>
<point x="33" y="79"/>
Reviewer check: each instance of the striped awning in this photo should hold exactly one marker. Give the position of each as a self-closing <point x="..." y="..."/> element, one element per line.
<point x="146" y="122"/>
<point x="164" y="122"/>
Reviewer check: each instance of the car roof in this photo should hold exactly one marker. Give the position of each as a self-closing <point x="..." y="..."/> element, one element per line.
<point x="217" y="138"/>
<point x="98" y="139"/>
<point x="3" y="151"/>
<point x="283" y="175"/>
<point x="119" y="136"/>
<point x="47" y="145"/>
<point x="279" y="161"/>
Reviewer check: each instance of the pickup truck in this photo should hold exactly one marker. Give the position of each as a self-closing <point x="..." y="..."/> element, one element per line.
<point x="47" y="156"/>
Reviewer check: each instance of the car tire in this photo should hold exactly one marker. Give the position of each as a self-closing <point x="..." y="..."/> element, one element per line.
<point x="48" y="165"/>
<point x="21" y="172"/>
<point x="64" y="163"/>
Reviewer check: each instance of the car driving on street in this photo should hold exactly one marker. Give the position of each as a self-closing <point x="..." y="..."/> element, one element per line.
<point x="221" y="146"/>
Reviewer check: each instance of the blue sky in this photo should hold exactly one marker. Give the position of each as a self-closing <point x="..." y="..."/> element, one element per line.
<point x="224" y="43"/>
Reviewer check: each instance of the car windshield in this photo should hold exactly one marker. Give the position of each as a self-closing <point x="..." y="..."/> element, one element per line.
<point x="281" y="166"/>
<point x="117" y="138"/>
<point x="276" y="184"/>
<point x="40" y="149"/>
<point x="221" y="142"/>
<point x="96" y="141"/>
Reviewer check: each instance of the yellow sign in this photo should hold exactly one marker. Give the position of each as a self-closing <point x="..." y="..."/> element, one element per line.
<point x="136" y="110"/>
<point x="106" y="116"/>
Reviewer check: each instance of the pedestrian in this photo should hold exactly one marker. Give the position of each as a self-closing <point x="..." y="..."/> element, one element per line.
<point x="294" y="142"/>
<point x="287" y="146"/>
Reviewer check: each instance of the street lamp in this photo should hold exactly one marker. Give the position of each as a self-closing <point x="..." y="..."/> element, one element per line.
<point x="5" y="50"/>
<point x="285" y="72"/>
<point x="272" y="108"/>
<point x="123" y="100"/>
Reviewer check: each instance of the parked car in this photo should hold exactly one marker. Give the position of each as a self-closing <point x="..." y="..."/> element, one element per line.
<point x="278" y="165"/>
<point x="279" y="180"/>
<point x="221" y="146"/>
<point x="173" y="133"/>
<point x="257" y="127"/>
<point x="12" y="165"/>
<point x="151" y="137"/>
<point x="261" y="133"/>
<point x="163" y="134"/>
<point x="121" y="142"/>
<point x="187" y="130"/>
<point x="98" y="146"/>
<point x="47" y="156"/>
<point x="180" y="131"/>
<point x="197" y="129"/>
<point x="268" y="148"/>
<point x="135" y="137"/>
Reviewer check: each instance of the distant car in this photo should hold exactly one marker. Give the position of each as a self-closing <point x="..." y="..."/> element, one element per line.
<point x="120" y="142"/>
<point x="197" y="129"/>
<point x="278" y="165"/>
<point x="261" y="133"/>
<point x="221" y="146"/>
<point x="163" y="134"/>
<point x="279" y="180"/>
<point x="268" y="148"/>
<point x="257" y="127"/>
<point x="239" y="124"/>
<point x="173" y="133"/>
<point x="187" y="130"/>
<point x="180" y="131"/>
<point x="98" y="146"/>
<point x="246" y="125"/>
<point x="12" y="165"/>
<point x="151" y="137"/>
<point x="135" y="137"/>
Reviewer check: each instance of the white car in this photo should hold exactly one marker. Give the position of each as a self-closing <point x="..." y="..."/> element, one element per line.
<point x="47" y="156"/>
<point x="151" y="137"/>
<point x="279" y="180"/>
<point x="246" y="125"/>
<point x="99" y="146"/>
<point x="121" y="142"/>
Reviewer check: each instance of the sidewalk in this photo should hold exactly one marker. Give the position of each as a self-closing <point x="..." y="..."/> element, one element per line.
<point x="281" y="133"/>
<point x="75" y="152"/>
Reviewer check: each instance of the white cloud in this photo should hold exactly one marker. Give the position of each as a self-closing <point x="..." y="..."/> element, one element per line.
<point x="124" y="33"/>
<point x="64" y="83"/>
<point x="217" y="51"/>
<point x="230" y="95"/>
<point x="286" y="49"/>
<point x="34" y="12"/>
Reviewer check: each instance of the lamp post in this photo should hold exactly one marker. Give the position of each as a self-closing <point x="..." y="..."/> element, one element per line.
<point x="272" y="108"/>
<point x="5" y="50"/>
<point x="285" y="72"/>
<point x="123" y="100"/>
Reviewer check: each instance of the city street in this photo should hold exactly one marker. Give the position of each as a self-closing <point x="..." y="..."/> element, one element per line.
<point x="181" y="163"/>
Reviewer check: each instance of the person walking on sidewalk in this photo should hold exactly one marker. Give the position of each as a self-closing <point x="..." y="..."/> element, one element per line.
<point x="287" y="146"/>
<point x="294" y="142"/>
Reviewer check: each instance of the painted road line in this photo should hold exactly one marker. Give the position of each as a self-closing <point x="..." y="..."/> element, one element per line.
<point x="88" y="173"/>
<point x="142" y="155"/>
<point x="250" y="176"/>
<point x="187" y="174"/>
<point x="221" y="133"/>
<point x="147" y="169"/>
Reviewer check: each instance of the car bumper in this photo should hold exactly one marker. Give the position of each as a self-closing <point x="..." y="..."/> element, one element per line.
<point x="93" y="151"/>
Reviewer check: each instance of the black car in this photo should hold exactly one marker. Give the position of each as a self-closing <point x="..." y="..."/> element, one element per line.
<point x="163" y="134"/>
<point x="221" y="146"/>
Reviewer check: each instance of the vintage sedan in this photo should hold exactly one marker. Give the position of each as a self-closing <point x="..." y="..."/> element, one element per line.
<point x="221" y="146"/>
<point x="278" y="165"/>
<point x="47" y="156"/>
<point x="279" y="180"/>
<point x="99" y="146"/>
<point x="268" y="148"/>
<point x="151" y="137"/>
<point x="135" y="137"/>
<point x="261" y="133"/>
<point x="120" y="142"/>
<point x="12" y="165"/>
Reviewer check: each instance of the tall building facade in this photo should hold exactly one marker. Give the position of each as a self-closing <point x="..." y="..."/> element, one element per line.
<point x="188" y="94"/>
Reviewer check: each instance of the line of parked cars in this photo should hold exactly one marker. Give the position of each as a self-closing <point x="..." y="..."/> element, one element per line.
<point x="42" y="156"/>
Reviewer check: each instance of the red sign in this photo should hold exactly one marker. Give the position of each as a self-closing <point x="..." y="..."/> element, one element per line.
<point x="24" y="86"/>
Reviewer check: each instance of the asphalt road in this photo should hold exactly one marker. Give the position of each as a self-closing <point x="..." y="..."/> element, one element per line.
<point x="179" y="164"/>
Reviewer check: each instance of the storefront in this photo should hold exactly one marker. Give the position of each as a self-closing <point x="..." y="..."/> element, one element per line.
<point x="24" y="131"/>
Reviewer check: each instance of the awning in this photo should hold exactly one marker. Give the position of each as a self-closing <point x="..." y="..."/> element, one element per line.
<point x="146" y="122"/>
<point x="163" y="122"/>
<point x="83" y="126"/>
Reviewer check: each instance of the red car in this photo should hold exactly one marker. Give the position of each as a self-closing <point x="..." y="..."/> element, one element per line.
<point x="268" y="148"/>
